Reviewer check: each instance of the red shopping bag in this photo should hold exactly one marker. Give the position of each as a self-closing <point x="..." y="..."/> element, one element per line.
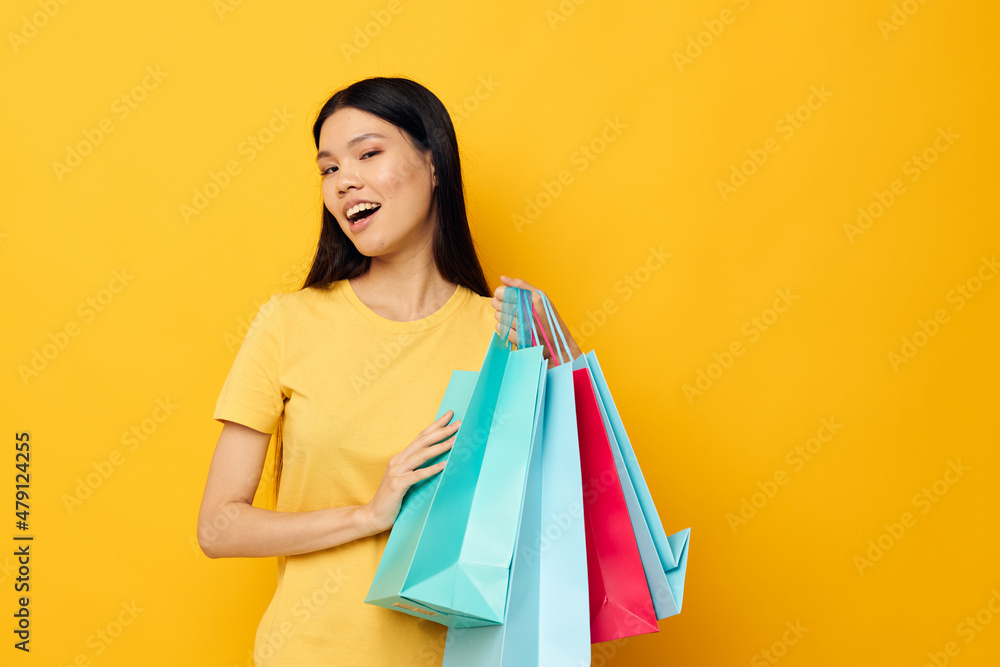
<point x="620" y="602"/>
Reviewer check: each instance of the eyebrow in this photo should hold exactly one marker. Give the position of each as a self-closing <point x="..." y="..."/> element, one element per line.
<point x="356" y="140"/>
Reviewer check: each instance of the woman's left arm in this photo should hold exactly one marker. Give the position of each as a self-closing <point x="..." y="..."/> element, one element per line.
<point x="536" y="302"/>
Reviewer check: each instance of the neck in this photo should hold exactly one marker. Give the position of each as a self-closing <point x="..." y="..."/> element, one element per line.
<point x="404" y="288"/>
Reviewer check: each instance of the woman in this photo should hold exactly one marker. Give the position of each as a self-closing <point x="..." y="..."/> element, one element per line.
<point x="346" y="371"/>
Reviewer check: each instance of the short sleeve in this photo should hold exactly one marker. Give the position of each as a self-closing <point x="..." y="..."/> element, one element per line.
<point x="252" y="393"/>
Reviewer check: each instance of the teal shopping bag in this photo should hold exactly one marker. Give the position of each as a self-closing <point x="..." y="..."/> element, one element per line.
<point x="547" y="617"/>
<point x="456" y="568"/>
<point x="664" y="559"/>
<point x="516" y="640"/>
<point x="399" y="548"/>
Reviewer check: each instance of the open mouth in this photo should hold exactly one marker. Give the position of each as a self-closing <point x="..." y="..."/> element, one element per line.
<point x="361" y="211"/>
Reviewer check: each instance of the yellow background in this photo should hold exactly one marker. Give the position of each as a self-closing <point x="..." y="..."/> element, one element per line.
<point x="529" y="84"/>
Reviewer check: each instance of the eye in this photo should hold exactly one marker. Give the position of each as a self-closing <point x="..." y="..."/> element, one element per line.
<point x="370" y="153"/>
<point x="327" y="171"/>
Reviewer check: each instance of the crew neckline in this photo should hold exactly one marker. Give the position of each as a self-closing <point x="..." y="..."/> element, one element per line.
<point x="458" y="297"/>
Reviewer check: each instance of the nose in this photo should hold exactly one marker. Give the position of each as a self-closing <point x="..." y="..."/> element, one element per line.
<point x="347" y="177"/>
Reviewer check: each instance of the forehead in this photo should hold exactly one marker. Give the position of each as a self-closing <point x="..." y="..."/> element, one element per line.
<point x="347" y="123"/>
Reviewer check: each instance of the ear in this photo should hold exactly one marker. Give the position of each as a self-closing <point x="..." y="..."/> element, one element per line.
<point x="434" y="180"/>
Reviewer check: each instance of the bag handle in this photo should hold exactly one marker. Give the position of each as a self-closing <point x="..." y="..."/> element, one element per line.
<point x="517" y="303"/>
<point x="527" y="335"/>
<point x="551" y="315"/>
<point x="507" y="312"/>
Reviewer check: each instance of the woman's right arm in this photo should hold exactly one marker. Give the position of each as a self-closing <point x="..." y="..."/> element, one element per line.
<point x="230" y="526"/>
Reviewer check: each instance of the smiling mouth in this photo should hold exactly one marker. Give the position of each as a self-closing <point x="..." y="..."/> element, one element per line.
<point x="361" y="211"/>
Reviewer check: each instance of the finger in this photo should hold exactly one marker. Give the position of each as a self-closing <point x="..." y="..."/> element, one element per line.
<point x="517" y="282"/>
<point x="439" y="434"/>
<point x="419" y="457"/>
<point x="426" y="454"/>
<point x="432" y="436"/>
<point x="499" y="318"/>
<point x="439" y="422"/>
<point x="421" y="474"/>
<point x="511" y="337"/>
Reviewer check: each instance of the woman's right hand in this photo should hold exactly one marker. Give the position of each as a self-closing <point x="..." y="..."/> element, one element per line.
<point x="403" y="471"/>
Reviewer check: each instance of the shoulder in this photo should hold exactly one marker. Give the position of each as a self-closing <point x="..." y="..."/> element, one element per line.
<point x="480" y="302"/>
<point x="285" y="306"/>
<point x="476" y="308"/>
<point x="303" y="299"/>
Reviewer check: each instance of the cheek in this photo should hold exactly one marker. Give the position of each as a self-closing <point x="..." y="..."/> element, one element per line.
<point x="396" y="176"/>
<point x="331" y="202"/>
<point x="413" y="179"/>
<point x="328" y="192"/>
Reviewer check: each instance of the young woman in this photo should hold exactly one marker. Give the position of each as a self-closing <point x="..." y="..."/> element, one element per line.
<point x="347" y="371"/>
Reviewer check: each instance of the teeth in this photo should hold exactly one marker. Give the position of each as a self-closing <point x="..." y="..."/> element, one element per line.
<point x="354" y="210"/>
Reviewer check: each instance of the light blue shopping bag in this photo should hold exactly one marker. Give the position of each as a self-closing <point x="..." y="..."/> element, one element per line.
<point x="453" y="561"/>
<point x="664" y="559"/>
<point x="547" y="617"/>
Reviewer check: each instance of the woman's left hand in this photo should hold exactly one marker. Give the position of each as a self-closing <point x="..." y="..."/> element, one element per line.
<point x="536" y="302"/>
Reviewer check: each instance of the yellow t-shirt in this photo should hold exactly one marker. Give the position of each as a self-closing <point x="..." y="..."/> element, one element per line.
<point x="354" y="389"/>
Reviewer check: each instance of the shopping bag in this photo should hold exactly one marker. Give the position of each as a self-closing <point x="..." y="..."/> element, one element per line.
<point x="664" y="559"/>
<point x="388" y="582"/>
<point x="620" y="598"/>
<point x="564" y="618"/>
<point x="458" y="570"/>
<point x="547" y="620"/>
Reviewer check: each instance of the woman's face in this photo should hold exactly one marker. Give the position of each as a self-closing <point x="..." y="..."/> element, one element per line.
<point x="377" y="184"/>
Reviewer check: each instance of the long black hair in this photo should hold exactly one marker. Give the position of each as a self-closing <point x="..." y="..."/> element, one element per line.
<point x="418" y="112"/>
